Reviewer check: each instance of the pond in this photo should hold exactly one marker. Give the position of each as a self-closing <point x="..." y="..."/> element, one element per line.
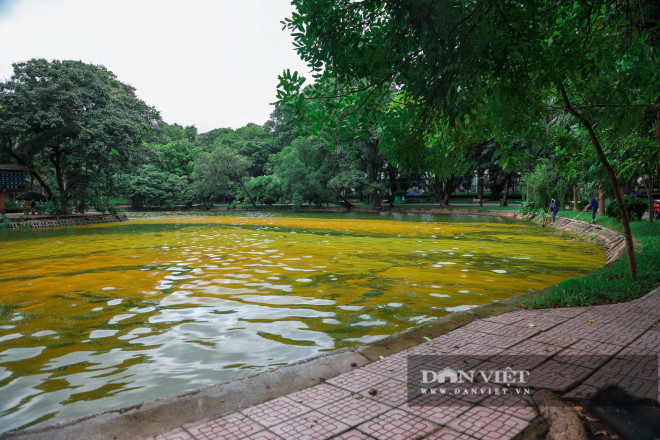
<point x="97" y="317"/>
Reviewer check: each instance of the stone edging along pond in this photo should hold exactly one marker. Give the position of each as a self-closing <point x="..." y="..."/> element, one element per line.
<point x="71" y="220"/>
<point x="160" y="415"/>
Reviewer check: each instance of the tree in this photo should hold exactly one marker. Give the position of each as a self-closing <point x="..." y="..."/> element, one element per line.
<point x="208" y="139"/>
<point x="305" y="169"/>
<point x="516" y="63"/>
<point x="638" y="159"/>
<point x="365" y="166"/>
<point x="280" y="128"/>
<point x="149" y="186"/>
<point x="191" y="132"/>
<point x="267" y="188"/>
<point x="178" y="157"/>
<point x="73" y="120"/>
<point x="251" y="141"/>
<point x="218" y="173"/>
<point x="254" y="142"/>
<point x="546" y="183"/>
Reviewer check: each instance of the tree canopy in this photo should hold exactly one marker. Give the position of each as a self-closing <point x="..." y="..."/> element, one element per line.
<point x="71" y="123"/>
<point x="461" y="70"/>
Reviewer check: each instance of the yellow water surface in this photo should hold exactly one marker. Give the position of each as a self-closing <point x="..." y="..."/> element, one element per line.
<point x="101" y="316"/>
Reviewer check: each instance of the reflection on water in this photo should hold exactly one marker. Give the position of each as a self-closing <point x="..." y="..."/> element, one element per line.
<point x="97" y="317"/>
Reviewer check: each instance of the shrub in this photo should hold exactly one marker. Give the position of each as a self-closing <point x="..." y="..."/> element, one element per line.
<point x="542" y="215"/>
<point x="546" y="183"/>
<point x="527" y="207"/>
<point x="11" y="206"/>
<point x="634" y="206"/>
<point x="113" y="210"/>
<point x="53" y="207"/>
<point x="102" y="204"/>
<point x="4" y="222"/>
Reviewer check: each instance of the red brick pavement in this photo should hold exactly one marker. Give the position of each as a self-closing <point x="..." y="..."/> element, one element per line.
<point x="572" y="351"/>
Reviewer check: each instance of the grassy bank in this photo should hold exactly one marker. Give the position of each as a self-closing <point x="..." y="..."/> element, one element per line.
<point x="611" y="283"/>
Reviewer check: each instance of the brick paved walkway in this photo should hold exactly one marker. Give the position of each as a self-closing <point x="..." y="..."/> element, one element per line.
<point x="571" y="351"/>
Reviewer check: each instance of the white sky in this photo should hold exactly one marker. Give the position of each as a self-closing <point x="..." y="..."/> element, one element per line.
<point x="211" y="63"/>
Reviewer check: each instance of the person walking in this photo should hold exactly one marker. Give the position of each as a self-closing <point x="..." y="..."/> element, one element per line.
<point x="593" y="204"/>
<point x="554" y="208"/>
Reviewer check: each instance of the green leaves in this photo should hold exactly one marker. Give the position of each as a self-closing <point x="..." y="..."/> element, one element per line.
<point x="151" y="187"/>
<point x="73" y="120"/>
<point x="219" y="173"/>
<point x="178" y="157"/>
<point x="437" y="77"/>
<point x="288" y="85"/>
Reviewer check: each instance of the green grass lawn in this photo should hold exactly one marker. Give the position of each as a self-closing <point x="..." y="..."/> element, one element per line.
<point x="611" y="283"/>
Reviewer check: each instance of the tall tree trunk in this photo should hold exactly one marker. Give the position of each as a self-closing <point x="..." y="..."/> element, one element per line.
<point x="391" y="172"/>
<point x="601" y="202"/>
<point x="61" y="181"/>
<point x="630" y="246"/>
<point x="439" y="191"/>
<point x="136" y="203"/>
<point x="505" y="197"/>
<point x="496" y="189"/>
<point x="445" y="199"/>
<point x="442" y="191"/>
<point x="344" y="201"/>
<point x="528" y="192"/>
<point x="376" y="203"/>
<point x="248" y="193"/>
<point x="373" y="172"/>
<point x="627" y="187"/>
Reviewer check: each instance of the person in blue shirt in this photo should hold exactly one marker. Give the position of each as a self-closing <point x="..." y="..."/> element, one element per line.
<point x="554" y="208"/>
<point x="593" y="203"/>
